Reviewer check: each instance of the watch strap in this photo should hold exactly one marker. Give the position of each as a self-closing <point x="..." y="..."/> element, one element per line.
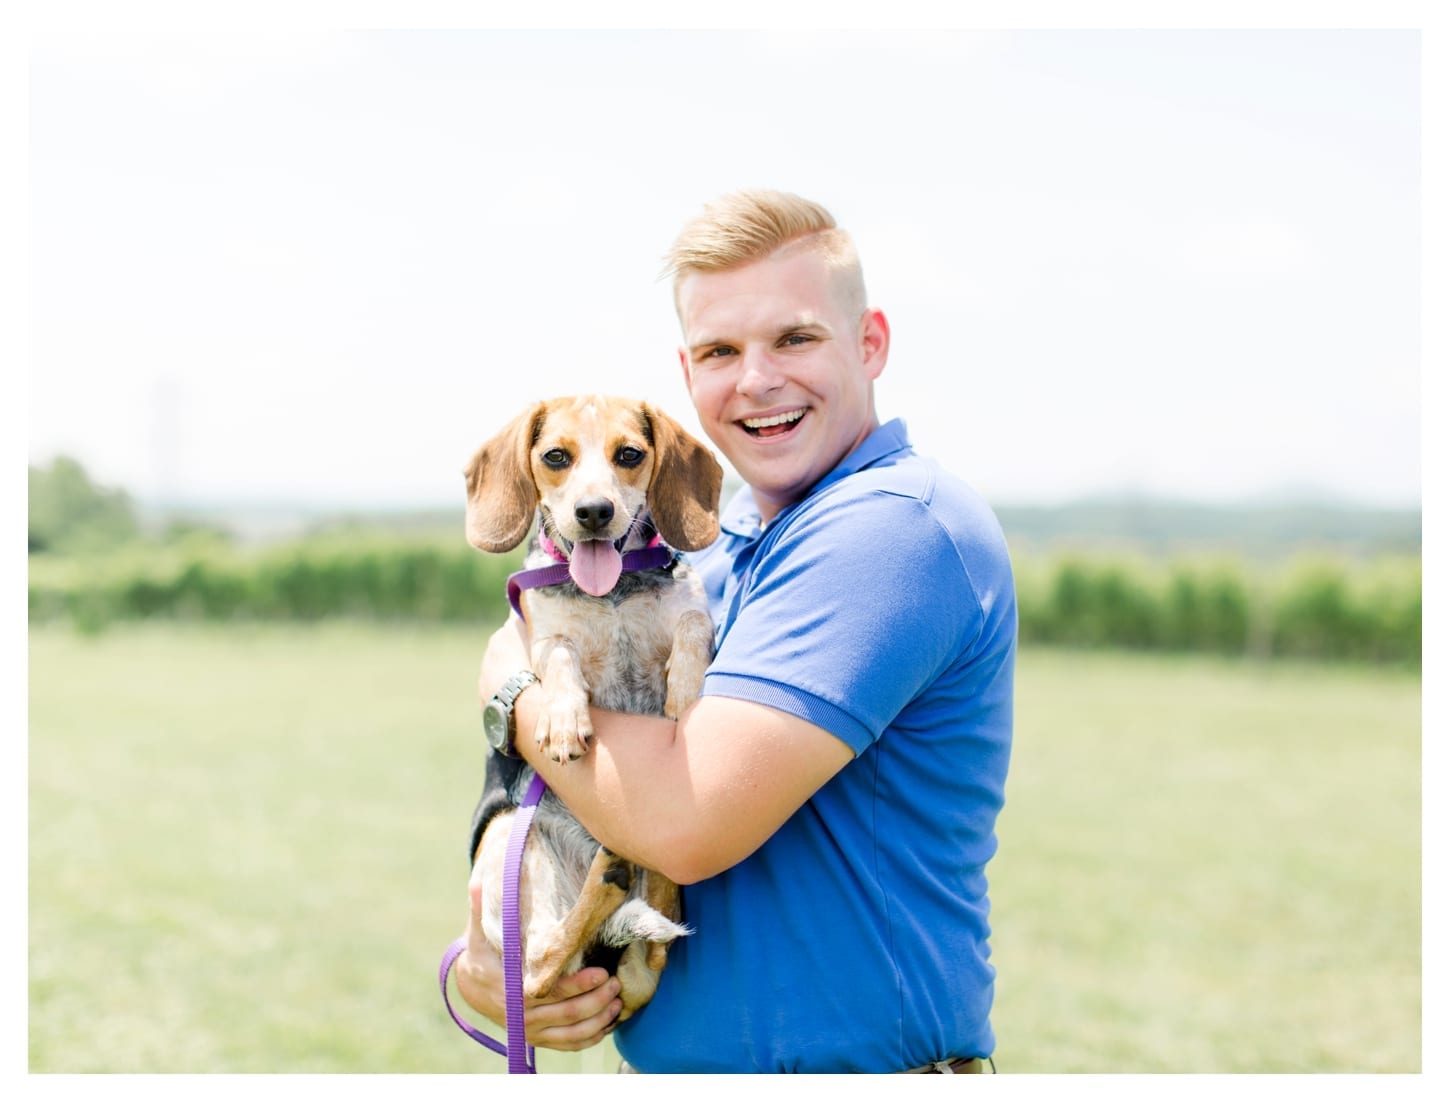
<point x="513" y="687"/>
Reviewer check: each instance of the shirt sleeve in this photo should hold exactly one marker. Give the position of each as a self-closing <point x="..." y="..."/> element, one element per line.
<point x="847" y="615"/>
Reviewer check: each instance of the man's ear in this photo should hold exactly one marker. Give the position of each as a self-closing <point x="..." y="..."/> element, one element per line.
<point x="875" y="342"/>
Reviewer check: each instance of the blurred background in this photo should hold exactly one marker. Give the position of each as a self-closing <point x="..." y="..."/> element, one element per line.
<point x="319" y="268"/>
<point x="1156" y="294"/>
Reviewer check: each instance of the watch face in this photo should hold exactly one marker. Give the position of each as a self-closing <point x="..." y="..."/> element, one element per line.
<point x="495" y="726"/>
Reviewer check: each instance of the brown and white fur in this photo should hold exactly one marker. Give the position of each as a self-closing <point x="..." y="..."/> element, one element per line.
<point x="611" y="472"/>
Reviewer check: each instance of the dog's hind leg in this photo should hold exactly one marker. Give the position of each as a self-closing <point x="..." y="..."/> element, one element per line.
<point x="637" y="979"/>
<point x="605" y="887"/>
<point x="663" y="894"/>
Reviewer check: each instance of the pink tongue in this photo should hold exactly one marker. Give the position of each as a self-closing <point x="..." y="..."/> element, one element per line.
<point x="595" y="565"/>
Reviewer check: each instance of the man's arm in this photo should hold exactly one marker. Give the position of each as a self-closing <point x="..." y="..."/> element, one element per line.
<point x="688" y="798"/>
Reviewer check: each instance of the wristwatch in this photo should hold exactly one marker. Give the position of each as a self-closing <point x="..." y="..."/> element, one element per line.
<point x="498" y="713"/>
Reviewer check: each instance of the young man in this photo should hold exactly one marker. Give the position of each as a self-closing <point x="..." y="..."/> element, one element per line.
<point x="829" y="804"/>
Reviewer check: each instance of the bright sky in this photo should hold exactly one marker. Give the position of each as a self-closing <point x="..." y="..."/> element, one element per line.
<point x="324" y="266"/>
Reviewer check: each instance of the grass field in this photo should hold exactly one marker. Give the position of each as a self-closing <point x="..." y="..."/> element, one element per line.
<point x="247" y="853"/>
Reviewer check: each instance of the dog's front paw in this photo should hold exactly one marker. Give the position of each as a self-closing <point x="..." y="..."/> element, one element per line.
<point x="689" y="657"/>
<point x="564" y="730"/>
<point x="679" y="697"/>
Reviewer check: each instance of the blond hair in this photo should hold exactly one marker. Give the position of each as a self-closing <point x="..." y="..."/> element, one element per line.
<point x="749" y="225"/>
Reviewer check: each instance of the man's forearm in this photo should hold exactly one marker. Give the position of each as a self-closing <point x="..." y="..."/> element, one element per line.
<point x="625" y="790"/>
<point x="692" y="798"/>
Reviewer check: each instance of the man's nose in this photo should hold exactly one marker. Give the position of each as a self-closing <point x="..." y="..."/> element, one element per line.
<point x="759" y="373"/>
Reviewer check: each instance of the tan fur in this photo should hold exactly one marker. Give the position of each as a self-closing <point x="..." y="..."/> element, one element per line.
<point x="646" y="652"/>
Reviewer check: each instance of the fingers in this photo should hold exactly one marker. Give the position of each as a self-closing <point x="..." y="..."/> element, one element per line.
<point x="479" y="975"/>
<point x="582" y="982"/>
<point x="581" y="1012"/>
<point x="578" y="1014"/>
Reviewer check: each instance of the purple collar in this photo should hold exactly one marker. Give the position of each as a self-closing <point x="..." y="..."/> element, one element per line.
<point x="653" y="557"/>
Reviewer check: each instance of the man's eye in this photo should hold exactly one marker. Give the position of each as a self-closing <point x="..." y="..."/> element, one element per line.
<point x="555" y="459"/>
<point x="719" y="353"/>
<point x="796" y="338"/>
<point x="629" y="457"/>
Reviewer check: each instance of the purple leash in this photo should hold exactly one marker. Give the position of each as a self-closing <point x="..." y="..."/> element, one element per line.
<point x="520" y="1054"/>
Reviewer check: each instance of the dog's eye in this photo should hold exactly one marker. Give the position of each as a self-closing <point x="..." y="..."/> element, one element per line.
<point x="555" y="459"/>
<point x="629" y="457"/>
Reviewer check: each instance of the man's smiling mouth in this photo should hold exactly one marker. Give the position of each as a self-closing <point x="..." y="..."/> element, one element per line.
<point x="777" y="425"/>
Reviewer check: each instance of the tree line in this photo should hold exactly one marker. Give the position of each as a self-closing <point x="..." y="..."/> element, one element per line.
<point x="92" y="566"/>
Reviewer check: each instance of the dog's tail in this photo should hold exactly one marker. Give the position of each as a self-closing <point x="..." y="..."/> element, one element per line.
<point x="636" y="920"/>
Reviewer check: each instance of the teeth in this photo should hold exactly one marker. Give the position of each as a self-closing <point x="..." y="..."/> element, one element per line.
<point x="779" y="419"/>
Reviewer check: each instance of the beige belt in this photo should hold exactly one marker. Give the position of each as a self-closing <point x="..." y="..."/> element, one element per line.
<point x="965" y="1065"/>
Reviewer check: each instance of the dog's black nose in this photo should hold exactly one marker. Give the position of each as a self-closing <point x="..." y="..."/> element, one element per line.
<point x="594" y="513"/>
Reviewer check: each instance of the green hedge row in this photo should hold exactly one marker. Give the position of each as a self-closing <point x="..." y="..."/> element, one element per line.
<point x="1318" y="608"/>
<point x="1315" y="607"/>
<point x="307" y="581"/>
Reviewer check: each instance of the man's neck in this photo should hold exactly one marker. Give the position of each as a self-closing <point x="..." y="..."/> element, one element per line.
<point x="772" y="507"/>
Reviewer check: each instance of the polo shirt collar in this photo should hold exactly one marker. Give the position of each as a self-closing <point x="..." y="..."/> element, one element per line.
<point x="741" y="517"/>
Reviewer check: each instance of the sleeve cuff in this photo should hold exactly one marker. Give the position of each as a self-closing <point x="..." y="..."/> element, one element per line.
<point x="795" y="702"/>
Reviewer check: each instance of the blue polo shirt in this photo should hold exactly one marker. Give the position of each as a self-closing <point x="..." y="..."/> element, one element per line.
<point x="880" y="608"/>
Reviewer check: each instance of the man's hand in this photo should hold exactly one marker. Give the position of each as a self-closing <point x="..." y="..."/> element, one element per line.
<point x="578" y="1014"/>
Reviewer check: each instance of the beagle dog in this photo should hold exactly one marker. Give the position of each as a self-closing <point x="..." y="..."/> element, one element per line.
<point x="604" y="477"/>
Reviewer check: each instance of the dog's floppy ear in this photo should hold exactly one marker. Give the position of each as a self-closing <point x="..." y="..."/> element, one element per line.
<point x="684" y="494"/>
<point x="501" y="493"/>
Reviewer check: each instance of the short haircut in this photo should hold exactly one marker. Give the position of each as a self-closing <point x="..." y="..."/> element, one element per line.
<point x="749" y="225"/>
